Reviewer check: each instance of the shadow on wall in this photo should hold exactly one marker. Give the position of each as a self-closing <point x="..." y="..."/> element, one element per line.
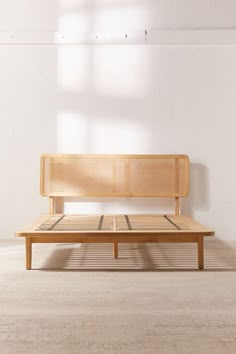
<point x="199" y="198"/>
<point x="27" y="122"/>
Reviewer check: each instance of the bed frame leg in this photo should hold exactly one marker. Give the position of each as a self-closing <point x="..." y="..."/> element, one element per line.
<point x="28" y="252"/>
<point x="200" y="246"/>
<point x="115" y="250"/>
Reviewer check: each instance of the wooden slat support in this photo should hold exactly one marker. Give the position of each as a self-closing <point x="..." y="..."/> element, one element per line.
<point x="200" y="252"/>
<point x="28" y="252"/>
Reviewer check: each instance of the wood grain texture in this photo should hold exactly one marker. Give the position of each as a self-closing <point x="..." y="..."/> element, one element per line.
<point x="200" y="252"/>
<point x="114" y="175"/>
<point x="28" y="252"/>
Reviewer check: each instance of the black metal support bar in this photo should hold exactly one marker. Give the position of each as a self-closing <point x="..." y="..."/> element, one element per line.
<point x="172" y="222"/>
<point x="128" y="222"/>
<point x="100" y="222"/>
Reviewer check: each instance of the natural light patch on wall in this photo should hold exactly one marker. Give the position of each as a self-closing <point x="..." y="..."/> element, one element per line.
<point x="72" y="133"/>
<point x="121" y="15"/>
<point x="121" y="70"/>
<point x="73" y="68"/>
<point x="118" y="136"/>
<point x="103" y="15"/>
<point x="72" y="4"/>
<point x="74" y="22"/>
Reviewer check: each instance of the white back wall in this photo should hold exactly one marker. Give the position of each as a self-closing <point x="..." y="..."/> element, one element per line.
<point x="118" y="99"/>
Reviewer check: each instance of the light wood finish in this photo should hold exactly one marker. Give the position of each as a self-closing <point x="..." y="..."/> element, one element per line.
<point x="177" y="179"/>
<point x="115" y="250"/>
<point x="28" y="251"/>
<point x="118" y="238"/>
<point x="113" y="176"/>
<point x="200" y="252"/>
<point x="116" y="175"/>
<point x="88" y="224"/>
<point x="177" y="207"/>
<point x="59" y="228"/>
<point x="51" y="205"/>
<point x="115" y="244"/>
<point x="59" y="205"/>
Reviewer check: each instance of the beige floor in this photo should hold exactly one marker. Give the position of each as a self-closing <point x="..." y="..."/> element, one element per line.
<point x="151" y="300"/>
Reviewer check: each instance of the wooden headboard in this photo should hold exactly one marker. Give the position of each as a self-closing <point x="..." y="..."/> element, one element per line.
<point x="114" y="175"/>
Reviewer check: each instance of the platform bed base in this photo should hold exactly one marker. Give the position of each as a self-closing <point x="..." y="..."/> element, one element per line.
<point x="115" y="229"/>
<point x="109" y="238"/>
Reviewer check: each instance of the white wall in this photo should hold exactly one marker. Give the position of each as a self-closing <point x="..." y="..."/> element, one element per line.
<point x="118" y="99"/>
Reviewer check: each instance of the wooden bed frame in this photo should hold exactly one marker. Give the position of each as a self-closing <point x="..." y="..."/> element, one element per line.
<point x="113" y="176"/>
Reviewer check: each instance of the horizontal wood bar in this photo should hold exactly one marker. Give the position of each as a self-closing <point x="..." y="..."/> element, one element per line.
<point x="130" y="233"/>
<point x="113" y="238"/>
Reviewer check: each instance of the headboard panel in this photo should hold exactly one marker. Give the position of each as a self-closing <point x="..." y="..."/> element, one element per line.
<point x="114" y="175"/>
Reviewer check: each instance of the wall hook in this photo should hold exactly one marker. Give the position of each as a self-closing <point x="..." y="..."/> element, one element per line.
<point x="145" y="34"/>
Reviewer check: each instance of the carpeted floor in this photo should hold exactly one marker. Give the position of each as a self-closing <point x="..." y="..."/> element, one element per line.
<point x="151" y="300"/>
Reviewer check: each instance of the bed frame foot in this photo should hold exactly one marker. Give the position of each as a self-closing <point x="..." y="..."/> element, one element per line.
<point x="200" y="252"/>
<point x="28" y="252"/>
<point x="115" y="250"/>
